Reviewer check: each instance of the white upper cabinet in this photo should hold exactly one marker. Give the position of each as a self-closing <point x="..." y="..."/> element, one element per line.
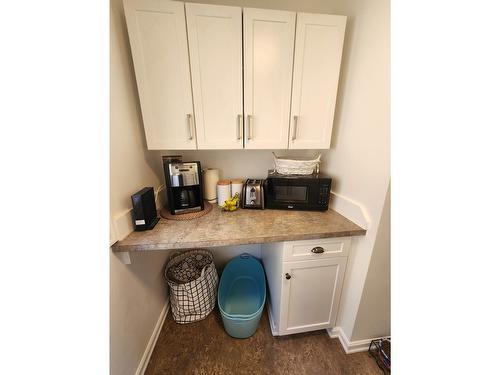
<point x="195" y="98"/>
<point x="157" y="33"/>
<point x="268" y="60"/>
<point x="318" y="51"/>
<point x="215" y="49"/>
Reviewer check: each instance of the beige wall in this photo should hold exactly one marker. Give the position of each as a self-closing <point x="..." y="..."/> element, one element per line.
<point x="374" y="313"/>
<point x="137" y="291"/>
<point x="137" y="297"/>
<point x="360" y="156"/>
<point x="131" y="165"/>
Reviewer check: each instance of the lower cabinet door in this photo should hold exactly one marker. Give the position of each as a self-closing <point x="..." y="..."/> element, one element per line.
<point x="311" y="294"/>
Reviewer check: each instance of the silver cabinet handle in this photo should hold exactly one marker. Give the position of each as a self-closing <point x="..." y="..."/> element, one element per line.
<point x="317" y="250"/>
<point x="249" y="127"/>
<point x="190" y="125"/>
<point x="240" y="126"/>
<point x="295" y="120"/>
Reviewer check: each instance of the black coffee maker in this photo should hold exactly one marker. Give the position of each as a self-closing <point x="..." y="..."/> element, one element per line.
<point x="184" y="186"/>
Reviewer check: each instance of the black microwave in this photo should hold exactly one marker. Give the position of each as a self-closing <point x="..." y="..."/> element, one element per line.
<point x="309" y="192"/>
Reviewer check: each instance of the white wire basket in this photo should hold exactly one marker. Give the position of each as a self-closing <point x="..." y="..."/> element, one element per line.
<point x="291" y="166"/>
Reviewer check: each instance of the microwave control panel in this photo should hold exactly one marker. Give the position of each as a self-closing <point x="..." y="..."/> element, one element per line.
<point x="324" y="194"/>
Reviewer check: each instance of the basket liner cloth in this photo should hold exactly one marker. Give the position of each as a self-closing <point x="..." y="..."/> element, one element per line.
<point x="193" y="300"/>
<point x="189" y="268"/>
<point x="295" y="167"/>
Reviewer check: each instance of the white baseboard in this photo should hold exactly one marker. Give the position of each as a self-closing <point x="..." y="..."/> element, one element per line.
<point x="272" y="324"/>
<point x="350" y="346"/>
<point x="351" y="209"/>
<point x="143" y="364"/>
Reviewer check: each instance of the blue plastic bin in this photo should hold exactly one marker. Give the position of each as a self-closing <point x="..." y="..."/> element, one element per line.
<point x="242" y="295"/>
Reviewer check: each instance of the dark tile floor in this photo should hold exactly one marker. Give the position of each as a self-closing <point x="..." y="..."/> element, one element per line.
<point x="205" y="348"/>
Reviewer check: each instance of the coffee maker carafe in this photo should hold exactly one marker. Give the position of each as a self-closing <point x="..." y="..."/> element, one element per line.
<point x="184" y="186"/>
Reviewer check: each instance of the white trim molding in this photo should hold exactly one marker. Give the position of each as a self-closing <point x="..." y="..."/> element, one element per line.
<point x="143" y="364"/>
<point x="121" y="224"/>
<point x="351" y="209"/>
<point x="350" y="346"/>
<point x="272" y="323"/>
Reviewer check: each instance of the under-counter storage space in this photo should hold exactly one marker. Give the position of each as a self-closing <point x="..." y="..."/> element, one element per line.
<point x="223" y="77"/>
<point x="304" y="292"/>
<point x="311" y="294"/>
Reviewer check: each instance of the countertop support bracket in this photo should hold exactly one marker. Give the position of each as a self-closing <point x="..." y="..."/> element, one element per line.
<point x="124" y="257"/>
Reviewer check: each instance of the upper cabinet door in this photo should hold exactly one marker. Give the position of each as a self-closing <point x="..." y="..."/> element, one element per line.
<point x="215" y="49"/>
<point x="157" y="33"/>
<point x="318" y="52"/>
<point x="268" y="41"/>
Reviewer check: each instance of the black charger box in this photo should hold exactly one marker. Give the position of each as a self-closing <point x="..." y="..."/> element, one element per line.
<point x="144" y="213"/>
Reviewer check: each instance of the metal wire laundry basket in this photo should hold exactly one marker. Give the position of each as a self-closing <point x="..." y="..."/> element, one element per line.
<point x="380" y="350"/>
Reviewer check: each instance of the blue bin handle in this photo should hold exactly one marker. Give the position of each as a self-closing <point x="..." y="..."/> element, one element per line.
<point x="245" y="256"/>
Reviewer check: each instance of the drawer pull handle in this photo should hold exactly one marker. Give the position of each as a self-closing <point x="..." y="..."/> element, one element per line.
<point x="249" y="127"/>
<point x="317" y="250"/>
<point x="240" y="126"/>
<point x="288" y="276"/>
<point x="295" y="120"/>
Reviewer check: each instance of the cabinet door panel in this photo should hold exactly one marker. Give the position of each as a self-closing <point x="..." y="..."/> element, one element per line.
<point x="311" y="296"/>
<point x="215" y="49"/>
<point x="318" y="51"/>
<point x="269" y="41"/>
<point x="157" y="33"/>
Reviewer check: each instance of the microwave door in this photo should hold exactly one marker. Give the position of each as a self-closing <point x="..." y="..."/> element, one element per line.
<point x="291" y="194"/>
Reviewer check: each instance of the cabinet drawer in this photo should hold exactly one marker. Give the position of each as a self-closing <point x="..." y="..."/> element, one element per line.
<point x="317" y="249"/>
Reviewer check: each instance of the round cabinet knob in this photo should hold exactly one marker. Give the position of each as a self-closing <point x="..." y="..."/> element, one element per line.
<point x="317" y="250"/>
<point x="288" y="276"/>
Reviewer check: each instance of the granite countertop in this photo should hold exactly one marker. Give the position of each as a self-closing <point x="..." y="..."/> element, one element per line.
<point x="243" y="226"/>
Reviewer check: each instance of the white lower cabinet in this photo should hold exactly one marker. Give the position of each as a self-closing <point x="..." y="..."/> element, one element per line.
<point x="304" y="295"/>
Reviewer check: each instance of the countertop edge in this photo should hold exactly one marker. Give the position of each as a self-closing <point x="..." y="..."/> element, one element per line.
<point x="117" y="247"/>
